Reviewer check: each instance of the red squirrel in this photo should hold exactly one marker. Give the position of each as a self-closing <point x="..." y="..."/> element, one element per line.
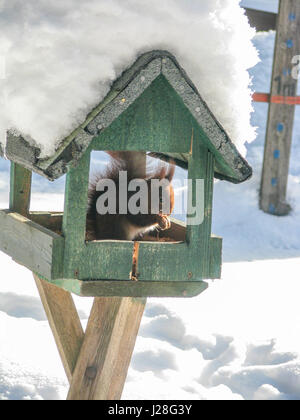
<point x="129" y="226"/>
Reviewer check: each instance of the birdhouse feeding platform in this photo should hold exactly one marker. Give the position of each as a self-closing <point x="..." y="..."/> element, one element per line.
<point x="152" y="107"/>
<point x="155" y="107"/>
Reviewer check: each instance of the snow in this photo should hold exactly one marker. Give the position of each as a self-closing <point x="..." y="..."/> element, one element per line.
<point x="62" y="57"/>
<point x="238" y="340"/>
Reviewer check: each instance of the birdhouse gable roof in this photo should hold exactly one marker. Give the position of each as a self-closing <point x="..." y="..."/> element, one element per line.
<point x="229" y="164"/>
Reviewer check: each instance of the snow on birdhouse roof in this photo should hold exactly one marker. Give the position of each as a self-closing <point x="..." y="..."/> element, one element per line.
<point x="230" y="165"/>
<point x="58" y="60"/>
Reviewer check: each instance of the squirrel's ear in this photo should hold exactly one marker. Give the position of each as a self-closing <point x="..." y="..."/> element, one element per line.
<point x="166" y="172"/>
<point x="161" y="172"/>
<point x="170" y="173"/>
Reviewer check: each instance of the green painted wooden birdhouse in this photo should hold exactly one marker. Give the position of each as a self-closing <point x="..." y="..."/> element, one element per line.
<point x="153" y="107"/>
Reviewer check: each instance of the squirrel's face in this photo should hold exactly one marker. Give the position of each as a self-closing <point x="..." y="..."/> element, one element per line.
<point x="161" y="192"/>
<point x="166" y="193"/>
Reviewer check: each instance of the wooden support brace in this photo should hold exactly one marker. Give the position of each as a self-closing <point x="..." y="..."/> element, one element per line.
<point x="64" y="323"/>
<point x="96" y="363"/>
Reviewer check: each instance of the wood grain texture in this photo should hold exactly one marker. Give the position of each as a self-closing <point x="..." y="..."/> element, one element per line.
<point x="158" y="121"/>
<point x="281" y="116"/>
<point x="187" y="261"/>
<point x="64" y="322"/>
<point x="74" y="218"/>
<point x="49" y="220"/>
<point x="106" y="352"/>
<point x="31" y="245"/>
<point x="177" y="289"/>
<point x="20" y="189"/>
<point x="215" y="262"/>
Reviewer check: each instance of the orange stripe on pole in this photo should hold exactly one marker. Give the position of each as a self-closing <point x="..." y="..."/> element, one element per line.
<point x="285" y="100"/>
<point x="261" y="97"/>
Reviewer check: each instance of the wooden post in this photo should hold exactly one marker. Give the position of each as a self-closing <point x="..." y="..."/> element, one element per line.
<point x="96" y="363"/>
<point x="281" y="115"/>
<point x="106" y="352"/>
<point x="20" y="189"/>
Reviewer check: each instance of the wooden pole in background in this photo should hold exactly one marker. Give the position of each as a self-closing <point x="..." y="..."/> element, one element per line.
<point x="281" y="116"/>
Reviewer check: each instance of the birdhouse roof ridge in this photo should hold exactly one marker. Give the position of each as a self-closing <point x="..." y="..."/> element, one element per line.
<point x="230" y="165"/>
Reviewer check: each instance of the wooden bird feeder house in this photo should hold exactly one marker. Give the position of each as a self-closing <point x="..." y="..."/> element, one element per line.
<point x="153" y="107"/>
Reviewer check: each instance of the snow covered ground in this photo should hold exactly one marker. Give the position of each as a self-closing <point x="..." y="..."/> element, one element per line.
<point x="238" y="340"/>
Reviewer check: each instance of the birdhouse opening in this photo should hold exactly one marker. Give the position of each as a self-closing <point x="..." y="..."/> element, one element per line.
<point x="134" y="196"/>
<point x="47" y="196"/>
<point x="37" y="199"/>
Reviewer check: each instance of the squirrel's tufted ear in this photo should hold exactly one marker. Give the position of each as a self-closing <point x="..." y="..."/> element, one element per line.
<point x="165" y="172"/>
<point x="170" y="173"/>
<point x="161" y="172"/>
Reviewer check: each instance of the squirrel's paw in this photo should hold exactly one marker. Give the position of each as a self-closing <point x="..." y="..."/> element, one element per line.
<point x="164" y="223"/>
